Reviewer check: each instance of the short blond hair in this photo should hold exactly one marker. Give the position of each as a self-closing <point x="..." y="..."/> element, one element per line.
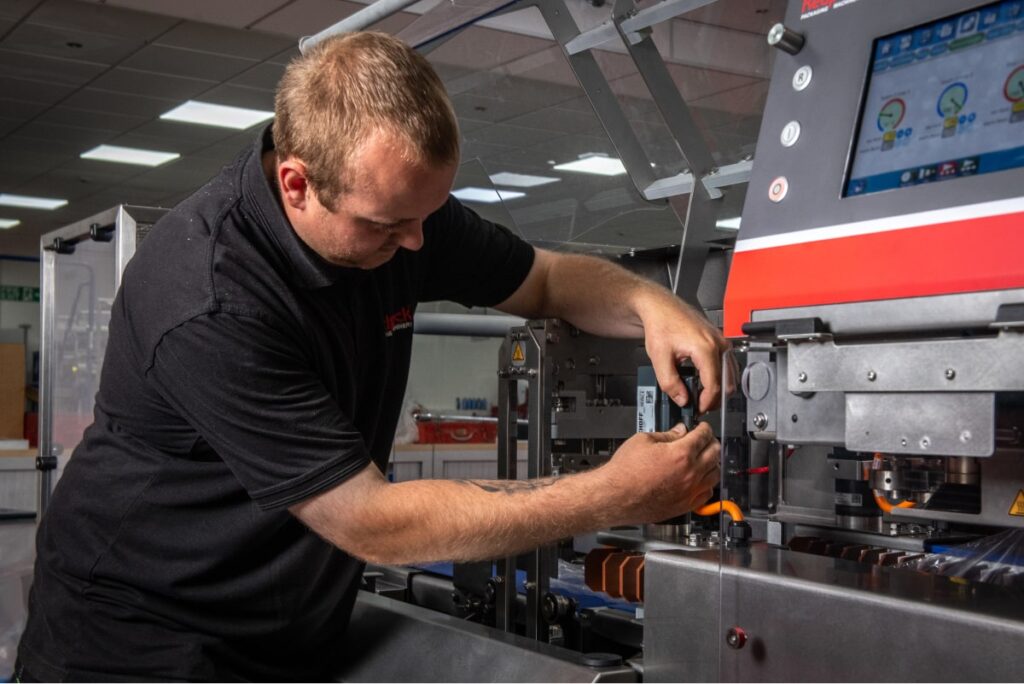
<point x="331" y="99"/>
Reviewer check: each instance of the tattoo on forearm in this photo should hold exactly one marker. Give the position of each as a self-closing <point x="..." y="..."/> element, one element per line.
<point x="508" y="487"/>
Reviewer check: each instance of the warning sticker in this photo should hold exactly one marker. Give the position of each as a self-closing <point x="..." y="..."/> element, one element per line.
<point x="645" y="398"/>
<point x="1018" y="504"/>
<point x="518" y="355"/>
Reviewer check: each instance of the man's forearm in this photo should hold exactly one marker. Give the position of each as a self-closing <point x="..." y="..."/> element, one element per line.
<point x="462" y="520"/>
<point x="601" y="297"/>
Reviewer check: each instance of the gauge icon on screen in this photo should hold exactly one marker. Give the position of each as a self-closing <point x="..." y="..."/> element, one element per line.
<point x="1014" y="88"/>
<point x="891" y="114"/>
<point x="952" y="100"/>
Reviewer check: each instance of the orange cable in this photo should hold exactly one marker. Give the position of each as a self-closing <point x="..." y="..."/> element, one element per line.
<point x="717" y="507"/>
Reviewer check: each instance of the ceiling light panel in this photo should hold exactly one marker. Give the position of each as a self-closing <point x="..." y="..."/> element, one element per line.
<point x="596" y="164"/>
<point x="207" y="114"/>
<point x="729" y="223"/>
<point x="129" y="155"/>
<point x="486" y="195"/>
<point x="27" y="202"/>
<point x="521" y="180"/>
<point x="8" y="223"/>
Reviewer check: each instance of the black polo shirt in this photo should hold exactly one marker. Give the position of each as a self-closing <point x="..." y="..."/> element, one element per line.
<point x="243" y="374"/>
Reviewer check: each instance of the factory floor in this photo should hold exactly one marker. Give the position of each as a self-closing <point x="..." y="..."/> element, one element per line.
<point x="17" y="555"/>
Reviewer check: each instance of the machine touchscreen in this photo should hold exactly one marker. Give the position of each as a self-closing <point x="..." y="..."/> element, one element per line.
<point x="943" y="100"/>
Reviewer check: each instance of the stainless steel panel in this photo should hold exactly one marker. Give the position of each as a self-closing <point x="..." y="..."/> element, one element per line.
<point x="924" y="424"/>
<point x="814" y="618"/>
<point x="392" y="641"/>
<point x="960" y="365"/>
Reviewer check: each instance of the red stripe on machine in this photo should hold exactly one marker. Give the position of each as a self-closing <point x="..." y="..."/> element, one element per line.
<point x="973" y="255"/>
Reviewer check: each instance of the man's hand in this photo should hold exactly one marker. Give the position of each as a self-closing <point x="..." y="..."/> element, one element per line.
<point x="665" y="474"/>
<point x="673" y="332"/>
<point x="604" y="299"/>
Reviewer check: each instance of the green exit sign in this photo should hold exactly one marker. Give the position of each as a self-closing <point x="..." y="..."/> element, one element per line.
<point x="18" y="293"/>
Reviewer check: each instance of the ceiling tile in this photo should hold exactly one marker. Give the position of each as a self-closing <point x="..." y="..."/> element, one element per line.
<point x="235" y="14"/>
<point x="124" y="104"/>
<point x="108" y="122"/>
<point x="148" y="83"/>
<point x="93" y="18"/>
<point x="13" y="10"/>
<point x="73" y="140"/>
<point x="8" y="125"/>
<point x="71" y="44"/>
<point x="176" y="130"/>
<point x="33" y="91"/>
<point x="225" y="41"/>
<point x="15" y="64"/>
<point x="306" y="17"/>
<point x="16" y="109"/>
<point x="182" y="146"/>
<point x="236" y="96"/>
<point x="188" y="63"/>
<point x="263" y="76"/>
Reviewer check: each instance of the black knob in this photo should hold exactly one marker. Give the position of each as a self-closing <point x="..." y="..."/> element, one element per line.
<point x="785" y="39"/>
<point x="736" y="637"/>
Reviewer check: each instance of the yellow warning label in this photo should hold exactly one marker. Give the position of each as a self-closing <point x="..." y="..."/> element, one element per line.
<point x="1018" y="504"/>
<point x="519" y="357"/>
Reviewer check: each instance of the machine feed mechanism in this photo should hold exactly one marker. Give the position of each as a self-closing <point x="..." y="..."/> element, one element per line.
<point x="876" y="300"/>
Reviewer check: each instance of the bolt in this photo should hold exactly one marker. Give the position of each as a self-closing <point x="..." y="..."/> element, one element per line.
<point x="529" y="586"/>
<point x="736" y="637"/>
<point x="594" y="360"/>
<point x="950" y="373"/>
<point x="872" y="375"/>
<point x="925" y="442"/>
<point x="965" y="436"/>
<point x="793" y="418"/>
<point x="760" y="421"/>
<point x="802" y="377"/>
<point x="903" y="442"/>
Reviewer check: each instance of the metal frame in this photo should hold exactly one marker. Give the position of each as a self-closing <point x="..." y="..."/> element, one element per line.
<point x="125" y="220"/>
<point x="631" y="26"/>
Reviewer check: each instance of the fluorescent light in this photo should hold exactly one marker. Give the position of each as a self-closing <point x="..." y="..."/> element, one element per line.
<point x="598" y="164"/>
<point x="729" y="223"/>
<point x="8" y="223"/>
<point x="129" y="155"/>
<point x="217" y="115"/>
<point x="31" y="202"/>
<point x="521" y="180"/>
<point x="486" y="195"/>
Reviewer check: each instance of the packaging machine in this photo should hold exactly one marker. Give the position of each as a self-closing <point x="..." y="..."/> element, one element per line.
<point x="875" y="449"/>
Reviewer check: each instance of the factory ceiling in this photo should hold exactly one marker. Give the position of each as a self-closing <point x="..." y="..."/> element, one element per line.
<point x="76" y="74"/>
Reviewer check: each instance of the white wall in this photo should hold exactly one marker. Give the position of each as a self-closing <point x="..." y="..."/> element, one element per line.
<point x="13" y="314"/>
<point x="444" y="368"/>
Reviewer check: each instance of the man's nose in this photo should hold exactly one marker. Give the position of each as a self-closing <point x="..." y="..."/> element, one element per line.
<point x="411" y="236"/>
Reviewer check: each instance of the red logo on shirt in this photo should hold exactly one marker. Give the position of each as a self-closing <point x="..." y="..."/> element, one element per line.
<point x="400" y="320"/>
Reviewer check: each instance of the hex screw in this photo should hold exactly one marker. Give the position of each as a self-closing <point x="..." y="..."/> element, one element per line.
<point x="872" y="376"/>
<point x="760" y="421"/>
<point x="802" y="377"/>
<point x="950" y="373"/>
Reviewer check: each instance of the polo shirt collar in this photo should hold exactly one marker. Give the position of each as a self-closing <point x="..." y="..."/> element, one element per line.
<point x="308" y="268"/>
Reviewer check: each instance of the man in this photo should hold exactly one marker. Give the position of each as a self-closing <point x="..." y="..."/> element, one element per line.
<point x="213" y="522"/>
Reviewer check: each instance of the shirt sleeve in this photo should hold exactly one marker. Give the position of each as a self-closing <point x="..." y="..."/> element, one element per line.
<point x="470" y="260"/>
<point x="248" y="391"/>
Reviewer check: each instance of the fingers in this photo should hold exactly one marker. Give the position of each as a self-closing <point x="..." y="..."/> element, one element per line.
<point x="672" y="435"/>
<point x="733" y="372"/>
<point x="709" y="367"/>
<point x="667" y="372"/>
<point x="698" y="439"/>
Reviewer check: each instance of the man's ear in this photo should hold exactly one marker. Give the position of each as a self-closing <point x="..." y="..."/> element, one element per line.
<point x="291" y="177"/>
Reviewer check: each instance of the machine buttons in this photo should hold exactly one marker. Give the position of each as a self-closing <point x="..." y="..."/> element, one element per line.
<point x="802" y="78"/>
<point x="778" y="189"/>
<point x="790" y="134"/>
<point x="785" y="39"/>
<point x="736" y="637"/>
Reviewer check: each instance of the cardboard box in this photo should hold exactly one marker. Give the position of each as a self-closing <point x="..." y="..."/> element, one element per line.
<point x="12" y="391"/>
